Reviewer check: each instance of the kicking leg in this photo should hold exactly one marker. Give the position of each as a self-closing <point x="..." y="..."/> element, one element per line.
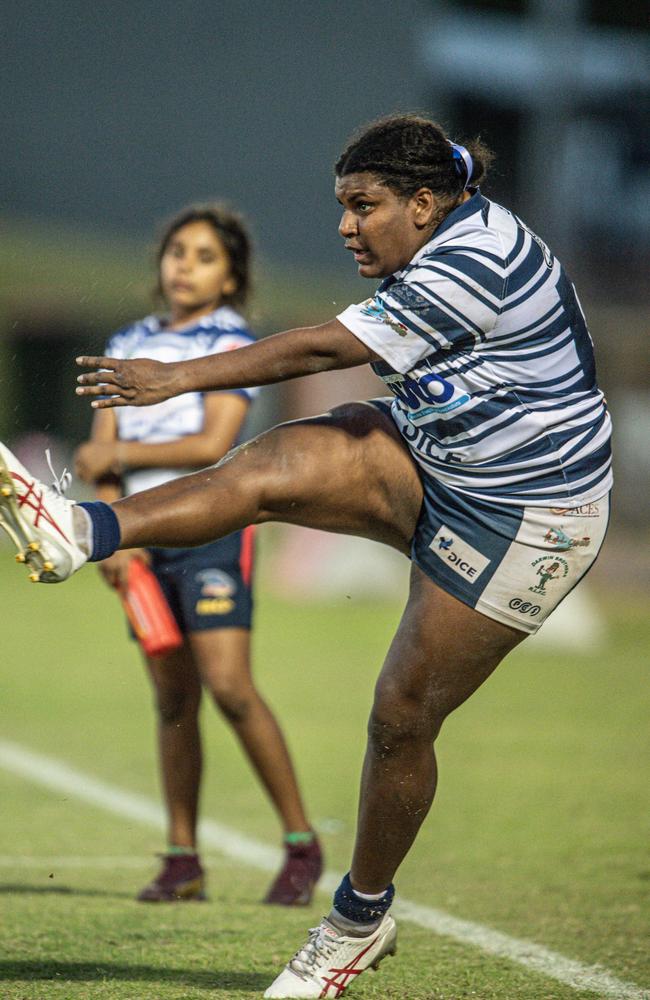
<point x="346" y="471"/>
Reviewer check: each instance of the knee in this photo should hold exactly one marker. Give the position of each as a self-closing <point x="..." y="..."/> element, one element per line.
<point x="258" y="466"/>
<point x="400" y="719"/>
<point x="175" y="704"/>
<point x="233" y="701"/>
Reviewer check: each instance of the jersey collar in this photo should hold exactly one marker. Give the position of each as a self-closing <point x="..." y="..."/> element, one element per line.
<point x="158" y="324"/>
<point x="477" y="203"/>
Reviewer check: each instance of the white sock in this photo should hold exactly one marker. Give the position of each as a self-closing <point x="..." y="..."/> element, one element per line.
<point x="83" y="529"/>
<point x="352" y="928"/>
<point x="370" y="895"/>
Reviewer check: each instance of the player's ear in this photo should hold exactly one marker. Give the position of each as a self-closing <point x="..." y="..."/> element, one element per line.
<point x="424" y="206"/>
<point x="230" y="285"/>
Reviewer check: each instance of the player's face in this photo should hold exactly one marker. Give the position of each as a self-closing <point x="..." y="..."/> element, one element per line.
<point x="195" y="271"/>
<point x="382" y="229"/>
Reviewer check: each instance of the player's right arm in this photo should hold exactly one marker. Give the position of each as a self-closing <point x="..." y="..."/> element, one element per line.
<point x="305" y="351"/>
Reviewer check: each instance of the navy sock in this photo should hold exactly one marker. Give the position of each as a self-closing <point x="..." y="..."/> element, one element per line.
<point x="361" y="911"/>
<point x="106" y="530"/>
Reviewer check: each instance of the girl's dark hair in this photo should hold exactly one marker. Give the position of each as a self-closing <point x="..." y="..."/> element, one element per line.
<point x="408" y="152"/>
<point x="231" y="230"/>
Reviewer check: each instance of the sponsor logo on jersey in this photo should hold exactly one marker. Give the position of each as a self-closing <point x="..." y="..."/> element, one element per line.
<point x="458" y="554"/>
<point x="376" y="311"/>
<point x="524" y="607"/>
<point x="548" y="568"/>
<point x="558" y="539"/>
<point x="426" y="396"/>
<point x="586" y="510"/>
<point x="546" y="253"/>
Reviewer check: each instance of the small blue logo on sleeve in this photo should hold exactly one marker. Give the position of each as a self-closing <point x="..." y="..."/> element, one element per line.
<point x="376" y="311"/>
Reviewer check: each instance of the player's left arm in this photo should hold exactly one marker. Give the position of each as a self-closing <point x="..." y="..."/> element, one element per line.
<point x="304" y="351"/>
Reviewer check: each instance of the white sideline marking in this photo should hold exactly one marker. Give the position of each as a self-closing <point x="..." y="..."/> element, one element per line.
<point x="55" y="775"/>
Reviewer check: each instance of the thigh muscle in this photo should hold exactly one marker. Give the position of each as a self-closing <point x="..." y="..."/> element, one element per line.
<point x="347" y="471"/>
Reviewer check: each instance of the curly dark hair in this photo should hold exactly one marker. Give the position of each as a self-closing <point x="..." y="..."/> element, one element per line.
<point x="229" y="226"/>
<point x="407" y="152"/>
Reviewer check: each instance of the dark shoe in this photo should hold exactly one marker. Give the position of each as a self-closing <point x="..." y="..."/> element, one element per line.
<point x="181" y="878"/>
<point x="294" y="885"/>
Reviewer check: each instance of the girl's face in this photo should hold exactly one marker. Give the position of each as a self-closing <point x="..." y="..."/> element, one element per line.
<point x="382" y="229"/>
<point x="195" y="271"/>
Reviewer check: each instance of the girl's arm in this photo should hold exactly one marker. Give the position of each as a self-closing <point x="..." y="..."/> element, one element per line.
<point x="108" y="487"/>
<point x="103" y="435"/>
<point x="142" y="382"/>
<point x="224" y="415"/>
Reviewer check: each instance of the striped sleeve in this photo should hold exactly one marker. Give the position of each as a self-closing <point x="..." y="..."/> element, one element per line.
<point x="443" y="303"/>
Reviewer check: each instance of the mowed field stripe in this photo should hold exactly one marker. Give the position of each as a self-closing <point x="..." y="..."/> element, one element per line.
<point x="58" y="776"/>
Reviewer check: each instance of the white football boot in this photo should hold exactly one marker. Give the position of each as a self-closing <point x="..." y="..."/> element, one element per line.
<point x="329" y="962"/>
<point x="39" y="521"/>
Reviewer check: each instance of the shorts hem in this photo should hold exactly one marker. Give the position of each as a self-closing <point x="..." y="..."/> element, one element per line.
<point x="530" y="628"/>
<point x="483" y="608"/>
<point x="216" y="627"/>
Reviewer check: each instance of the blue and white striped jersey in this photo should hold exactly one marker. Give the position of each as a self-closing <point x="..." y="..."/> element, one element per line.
<point x="486" y="350"/>
<point x="222" y="330"/>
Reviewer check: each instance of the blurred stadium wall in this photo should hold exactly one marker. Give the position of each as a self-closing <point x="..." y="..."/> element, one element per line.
<point x="116" y="115"/>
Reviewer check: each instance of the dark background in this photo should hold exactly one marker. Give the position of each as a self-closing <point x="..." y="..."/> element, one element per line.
<point x="117" y="114"/>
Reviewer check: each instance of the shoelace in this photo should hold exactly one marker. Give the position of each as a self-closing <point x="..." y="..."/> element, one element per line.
<point x="62" y="482"/>
<point x="319" y="946"/>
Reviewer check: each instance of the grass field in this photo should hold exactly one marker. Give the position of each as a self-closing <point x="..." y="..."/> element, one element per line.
<point x="539" y="831"/>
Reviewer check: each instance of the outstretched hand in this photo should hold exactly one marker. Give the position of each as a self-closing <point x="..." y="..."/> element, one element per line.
<point x="138" y="382"/>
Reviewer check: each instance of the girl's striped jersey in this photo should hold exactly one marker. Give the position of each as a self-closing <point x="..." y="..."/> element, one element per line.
<point x="486" y="350"/>
<point x="222" y="330"/>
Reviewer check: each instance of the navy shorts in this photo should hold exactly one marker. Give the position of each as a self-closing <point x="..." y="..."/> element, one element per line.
<point x="513" y="564"/>
<point x="209" y="586"/>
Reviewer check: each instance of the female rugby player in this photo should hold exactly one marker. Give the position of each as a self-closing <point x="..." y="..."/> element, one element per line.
<point x="495" y="444"/>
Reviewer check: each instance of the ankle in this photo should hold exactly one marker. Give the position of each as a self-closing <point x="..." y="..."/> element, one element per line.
<point x="351" y="928"/>
<point x="100" y="531"/>
<point x="299" y="838"/>
<point x="358" y="912"/>
<point x="83" y="529"/>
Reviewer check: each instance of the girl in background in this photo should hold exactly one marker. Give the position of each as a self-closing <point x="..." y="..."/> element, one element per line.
<point x="203" y="277"/>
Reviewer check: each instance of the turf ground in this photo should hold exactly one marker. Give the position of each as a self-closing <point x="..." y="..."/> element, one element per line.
<point x="540" y="828"/>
